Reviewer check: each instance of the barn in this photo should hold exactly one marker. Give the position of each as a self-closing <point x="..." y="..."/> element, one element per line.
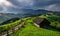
<point x="41" y="22"/>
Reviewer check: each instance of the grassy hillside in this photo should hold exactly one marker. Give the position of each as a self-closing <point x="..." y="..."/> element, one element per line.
<point x="54" y="19"/>
<point x="30" y="30"/>
<point x="9" y="25"/>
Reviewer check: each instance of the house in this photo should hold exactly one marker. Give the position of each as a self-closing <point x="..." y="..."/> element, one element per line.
<point x="41" y="22"/>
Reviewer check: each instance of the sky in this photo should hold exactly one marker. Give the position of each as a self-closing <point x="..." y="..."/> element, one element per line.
<point x="16" y="5"/>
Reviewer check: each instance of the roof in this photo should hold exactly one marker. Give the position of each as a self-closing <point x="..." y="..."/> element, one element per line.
<point x="38" y="20"/>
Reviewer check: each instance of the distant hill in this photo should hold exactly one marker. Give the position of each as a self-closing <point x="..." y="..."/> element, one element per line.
<point x="23" y="13"/>
<point x="7" y="16"/>
<point x="35" y="11"/>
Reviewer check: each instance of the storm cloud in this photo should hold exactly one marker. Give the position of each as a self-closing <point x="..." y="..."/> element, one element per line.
<point x="53" y="5"/>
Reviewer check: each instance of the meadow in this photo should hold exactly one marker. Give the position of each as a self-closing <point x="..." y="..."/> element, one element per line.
<point x="29" y="29"/>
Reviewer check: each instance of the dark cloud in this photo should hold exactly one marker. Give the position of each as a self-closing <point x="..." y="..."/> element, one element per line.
<point x="1" y="8"/>
<point x="31" y="3"/>
<point x="53" y="5"/>
<point x="34" y="3"/>
<point x="21" y="3"/>
<point x="55" y="1"/>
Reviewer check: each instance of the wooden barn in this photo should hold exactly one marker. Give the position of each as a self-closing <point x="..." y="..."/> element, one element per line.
<point x="41" y="22"/>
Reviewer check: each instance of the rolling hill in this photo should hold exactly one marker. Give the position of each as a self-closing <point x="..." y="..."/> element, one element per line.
<point x="29" y="29"/>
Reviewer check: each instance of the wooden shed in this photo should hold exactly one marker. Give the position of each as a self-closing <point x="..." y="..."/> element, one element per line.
<point x="41" y="22"/>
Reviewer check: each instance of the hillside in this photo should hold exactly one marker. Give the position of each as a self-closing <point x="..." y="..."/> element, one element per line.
<point x="24" y="13"/>
<point x="29" y="29"/>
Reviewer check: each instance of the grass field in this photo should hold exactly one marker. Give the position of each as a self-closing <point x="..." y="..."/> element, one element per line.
<point x="9" y="25"/>
<point x="30" y="30"/>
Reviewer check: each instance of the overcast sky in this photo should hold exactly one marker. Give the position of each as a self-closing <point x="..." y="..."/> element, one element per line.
<point x="16" y="5"/>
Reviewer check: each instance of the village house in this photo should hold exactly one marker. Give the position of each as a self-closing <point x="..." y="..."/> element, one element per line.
<point x="41" y="22"/>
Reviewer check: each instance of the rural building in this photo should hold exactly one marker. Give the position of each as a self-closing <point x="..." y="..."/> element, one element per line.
<point x="41" y="22"/>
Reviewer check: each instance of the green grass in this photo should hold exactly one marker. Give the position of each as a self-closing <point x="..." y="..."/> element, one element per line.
<point x="30" y="30"/>
<point x="54" y="19"/>
<point x="8" y="26"/>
